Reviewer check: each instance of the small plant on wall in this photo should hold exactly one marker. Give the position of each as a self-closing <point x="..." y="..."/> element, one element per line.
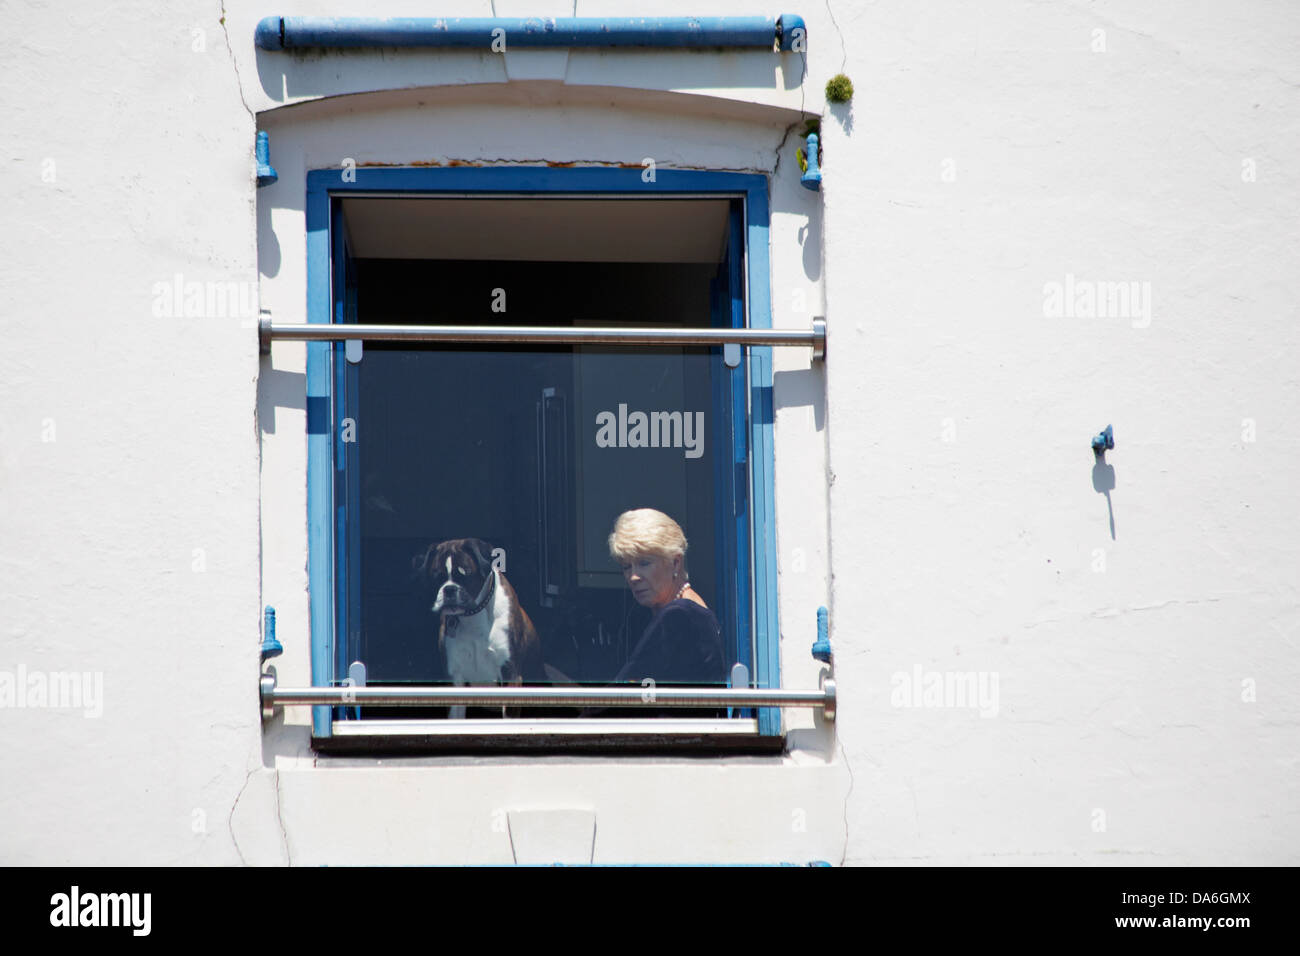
<point x="839" y="89"/>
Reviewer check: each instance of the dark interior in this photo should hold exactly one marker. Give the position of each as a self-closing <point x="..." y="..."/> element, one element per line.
<point x="449" y="441"/>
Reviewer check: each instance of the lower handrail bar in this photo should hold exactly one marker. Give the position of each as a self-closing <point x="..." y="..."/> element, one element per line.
<point x="644" y="696"/>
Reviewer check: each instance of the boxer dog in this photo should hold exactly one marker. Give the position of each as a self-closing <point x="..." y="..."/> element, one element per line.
<point x="484" y="634"/>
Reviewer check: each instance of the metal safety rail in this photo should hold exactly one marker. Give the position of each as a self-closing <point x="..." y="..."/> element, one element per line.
<point x="635" y="697"/>
<point x="269" y="331"/>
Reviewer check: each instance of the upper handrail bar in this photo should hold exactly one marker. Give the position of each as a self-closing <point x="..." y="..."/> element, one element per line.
<point x="270" y="331"/>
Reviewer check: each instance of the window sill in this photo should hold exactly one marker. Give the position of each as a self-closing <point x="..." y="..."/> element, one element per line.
<point x="623" y="736"/>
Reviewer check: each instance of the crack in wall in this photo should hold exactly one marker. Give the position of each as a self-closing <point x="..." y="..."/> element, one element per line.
<point x="239" y="80"/>
<point x="844" y="755"/>
<point x="803" y="58"/>
<point x="279" y="816"/>
<point x="230" y="817"/>
<point x="781" y="145"/>
<point x="844" y="53"/>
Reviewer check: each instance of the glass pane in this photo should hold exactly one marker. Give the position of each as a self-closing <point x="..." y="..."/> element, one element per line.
<point x="471" y="460"/>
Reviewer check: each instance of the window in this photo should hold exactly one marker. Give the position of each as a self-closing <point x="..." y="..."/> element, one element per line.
<point x="533" y="449"/>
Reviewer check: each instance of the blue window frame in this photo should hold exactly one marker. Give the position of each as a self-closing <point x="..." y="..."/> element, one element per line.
<point x="745" y="537"/>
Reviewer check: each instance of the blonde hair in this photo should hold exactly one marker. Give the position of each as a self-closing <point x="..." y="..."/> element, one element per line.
<point x="647" y="531"/>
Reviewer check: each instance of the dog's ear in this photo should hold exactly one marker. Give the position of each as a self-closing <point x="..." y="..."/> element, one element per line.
<point x="482" y="552"/>
<point x="420" y="563"/>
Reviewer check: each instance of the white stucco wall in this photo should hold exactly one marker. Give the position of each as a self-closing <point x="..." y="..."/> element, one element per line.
<point x="1122" y="735"/>
<point x="152" y="493"/>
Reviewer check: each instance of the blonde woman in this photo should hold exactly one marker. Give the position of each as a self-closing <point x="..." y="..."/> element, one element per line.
<point x="682" y="644"/>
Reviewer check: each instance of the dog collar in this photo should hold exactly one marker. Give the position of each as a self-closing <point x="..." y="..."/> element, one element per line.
<point x="483" y="595"/>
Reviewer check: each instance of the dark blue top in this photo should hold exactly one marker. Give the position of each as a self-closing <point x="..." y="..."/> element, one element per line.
<point x="682" y="644"/>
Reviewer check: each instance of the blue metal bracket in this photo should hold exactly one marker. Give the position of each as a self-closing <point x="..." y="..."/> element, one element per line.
<point x="270" y="646"/>
<point x="821" y="648"/>
<point x="1106" y="439"/>
<point x="266" y="173"/>
<point x="791" y="33"/>
<point x="812" y="177"/>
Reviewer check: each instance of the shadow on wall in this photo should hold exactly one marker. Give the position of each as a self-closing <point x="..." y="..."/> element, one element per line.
<point x="810" y="239"/>
<point x="844" y="113"/>
<point x="294" y="74"/>
<point x="802" y="388"/>
<point x="1103" y="482"/>
<point x="279" y="389"/>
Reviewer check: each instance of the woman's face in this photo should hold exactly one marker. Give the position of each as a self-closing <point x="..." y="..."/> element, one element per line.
<point x="650" y="576"/>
